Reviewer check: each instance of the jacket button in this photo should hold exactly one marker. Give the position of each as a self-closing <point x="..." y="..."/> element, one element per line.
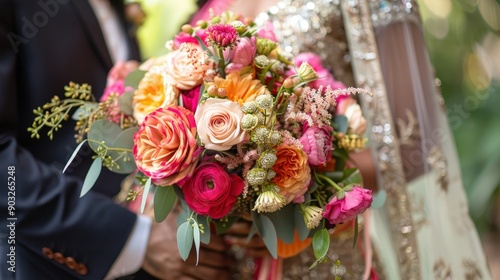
<point x="81" y="269"/>
<point x="70" y="263"/>
<point x="48" y="252"/>
<point x="59" y="258"/>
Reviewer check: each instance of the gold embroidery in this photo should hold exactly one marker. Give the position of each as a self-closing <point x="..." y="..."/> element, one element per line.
<point x="408" y="131"/>
<point x="472" y="271"/>
<point x="442" y="270"/>
<point x="437" y="161"/>
<point x="368" y="75"/>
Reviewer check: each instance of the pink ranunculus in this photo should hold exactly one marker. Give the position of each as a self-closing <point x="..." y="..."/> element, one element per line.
<point x="190" y="98"/>
<point x="353" y="203"/>
<point x="244" y="52"/>
<point x="343" y="102"/>
<point x="212" y="191"/>
<point x="325" y="78"/>
<point x="218" y="122"/>
<point x="165" y="146"/>
<point x="317" y="143"/>
<point x="268" y="32"/>
<point x="120" y="70"/>
<point x="313" y="59"/>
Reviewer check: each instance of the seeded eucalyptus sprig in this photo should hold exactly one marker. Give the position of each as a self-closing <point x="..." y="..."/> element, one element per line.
<point x="52" y="114"/>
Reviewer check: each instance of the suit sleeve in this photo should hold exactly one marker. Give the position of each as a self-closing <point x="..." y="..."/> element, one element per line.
<point x="79" y="237"/>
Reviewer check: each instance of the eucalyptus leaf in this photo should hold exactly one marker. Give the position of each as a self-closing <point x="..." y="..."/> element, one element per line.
<point x="133" y="78"/>
<point x="145" y="193"/>
<point x="300" y="224"/>
<point x="221" y="226"/>
<point x="267" y="231"/>
<point x="321" y="243"/>
<point x="92" y="175"/>
<point x="283" y="222"/>
<point x="164" y="200"/>
<point x="184" y="239"/>
<point x="75" y="152"/>
<point x="184" y="214"/>
<point x="125" y="102"/>
<point x="205" y="223"/>
<point x="342" y="123"/>
<point x="196" y="238"/>
<point x="84" y="111"/>
<point x="109" y="133"/>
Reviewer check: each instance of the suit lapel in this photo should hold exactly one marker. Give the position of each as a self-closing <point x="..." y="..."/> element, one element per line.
<point x="89" y="21"/>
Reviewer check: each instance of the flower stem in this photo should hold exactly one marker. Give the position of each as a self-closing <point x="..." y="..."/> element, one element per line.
<point x="329" y="181"/>
<point x="222" y="63"/>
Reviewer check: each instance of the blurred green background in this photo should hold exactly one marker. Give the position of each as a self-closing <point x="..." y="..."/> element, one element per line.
<point x="464" y="42"/>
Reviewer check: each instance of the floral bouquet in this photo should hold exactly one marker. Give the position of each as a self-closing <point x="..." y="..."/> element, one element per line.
<point x="231" y="126"/>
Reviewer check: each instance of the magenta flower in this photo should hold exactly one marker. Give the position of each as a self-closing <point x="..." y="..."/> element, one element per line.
<point x="221" y="35"/>
<point x="317" y="143"/>
<point x="325" y="77"/>
<point x="353" y="203"/>
<point x="186" y="38"/>
<point x="212" y="191"/>
<point x="190" y="98"/>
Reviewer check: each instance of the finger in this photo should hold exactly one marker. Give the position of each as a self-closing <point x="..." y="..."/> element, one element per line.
<point x="255" y="242"/>
<point x="207" y="273"/>
<point x="210" y="259"/>
<point x="240" y="228"/>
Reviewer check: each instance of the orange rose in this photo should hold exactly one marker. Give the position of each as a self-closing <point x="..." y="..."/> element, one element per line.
<point x="293" y="174"/>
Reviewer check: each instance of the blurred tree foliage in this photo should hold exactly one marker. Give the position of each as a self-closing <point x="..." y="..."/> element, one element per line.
<point x="464" y="44"/>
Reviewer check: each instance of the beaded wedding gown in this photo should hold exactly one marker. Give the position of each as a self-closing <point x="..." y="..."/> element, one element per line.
<point x="423" y="231"/>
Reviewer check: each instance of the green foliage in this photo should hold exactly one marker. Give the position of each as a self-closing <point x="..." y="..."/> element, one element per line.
<point x="164" y="200"/>
<point x="284" y="223"/>
<point x="133" y="78"/>
<point x="92" y="175"/>
<point x="267" y="231"/>
<point x="320" y="244"/>
<point x="185" y="236"/>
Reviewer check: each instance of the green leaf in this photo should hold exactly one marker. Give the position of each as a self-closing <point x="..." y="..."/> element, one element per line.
<point x="125" y="102"/>
<point x="133" y="78"/>
<point x="205" y="222"/>
<point x="321" y="243"/>
<point x="352" y="176"/>
<point x="114" y="137"/>
<point x="84" y="111"/>
<point x="221" y="226"/>
<point x="145" y="193"/>
<point x="92" y="175"/>
<point x="283" y="221"/>
<point x="379" y="199"/>
<point x="184" y="214"/>
<point x="164" y="200"/>
<point x="196" y="238"/>
<point x="342" y="123"/>
<point x="300" y="224"/>
<point x="184" y="239"/>
<point x="75" y="152"/>
<point x="267" y="231"/>
<point x="355" y="238"/>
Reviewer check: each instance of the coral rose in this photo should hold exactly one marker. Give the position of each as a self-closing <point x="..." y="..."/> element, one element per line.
<point x="186" y="67"/>
<point x="218" y="123"/>
<point x="353" y="203"/>
<point x="152" y="93"/>
<point x="212" y="191"/>
<point x="165" y="146"/>
<point x="293" y="174"/>
<point x="317" y="143"/>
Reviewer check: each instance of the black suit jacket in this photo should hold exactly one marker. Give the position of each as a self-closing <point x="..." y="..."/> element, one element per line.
<point x="53" y="233"/>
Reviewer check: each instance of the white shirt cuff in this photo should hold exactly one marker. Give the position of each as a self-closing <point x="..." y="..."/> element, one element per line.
<point x="132" y="255"/>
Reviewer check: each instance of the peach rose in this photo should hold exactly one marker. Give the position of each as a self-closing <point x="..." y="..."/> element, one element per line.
<point x="293" y="174"/>
<point x="165" y="146"/>
<point x="186" y="67"/>
<point x="152" y="93"/>
<point x="218" y="123"/>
